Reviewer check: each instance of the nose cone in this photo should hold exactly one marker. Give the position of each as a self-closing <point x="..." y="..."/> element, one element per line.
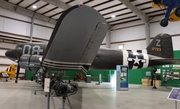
<point x="11" y="54"/>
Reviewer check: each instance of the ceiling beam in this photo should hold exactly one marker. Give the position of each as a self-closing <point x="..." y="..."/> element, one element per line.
<point x="41" y="7"/>
<point x="49" y="10"/>
<point x="19" y="2"/>
<point x="32" y="4"/>
<point x="26" y="12"/>
<point x="135" y="10"/>
<point x="58" y="3"/>
<point x="102" y="3"/>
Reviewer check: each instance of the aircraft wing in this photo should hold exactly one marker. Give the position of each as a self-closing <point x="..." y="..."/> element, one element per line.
<point x="173" y="17"/>
<point x="76" y="39"/>
<point x="158" y="6"/>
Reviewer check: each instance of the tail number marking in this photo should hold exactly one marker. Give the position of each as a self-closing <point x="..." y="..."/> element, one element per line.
<point x="36" y="49"/>
<point x="158" y="42"/>
<point x="156" y="49"/>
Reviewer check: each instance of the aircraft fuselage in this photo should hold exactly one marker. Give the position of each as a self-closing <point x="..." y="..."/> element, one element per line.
<point x="106" y="59"/>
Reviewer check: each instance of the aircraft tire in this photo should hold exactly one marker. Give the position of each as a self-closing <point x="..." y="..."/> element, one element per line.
<point x="163" y="24"/>
<point x="177" y="12"/>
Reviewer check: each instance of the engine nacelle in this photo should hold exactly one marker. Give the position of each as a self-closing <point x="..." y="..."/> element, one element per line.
<point x="30" y="62"/>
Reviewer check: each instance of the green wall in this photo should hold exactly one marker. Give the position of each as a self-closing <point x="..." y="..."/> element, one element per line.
<point x="135" y="76"/>
<point x="177" y="54"/>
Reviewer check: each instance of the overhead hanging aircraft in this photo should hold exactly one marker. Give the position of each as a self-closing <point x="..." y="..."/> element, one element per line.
<point x="172" y="13"/>
<point x="74" y="45"/>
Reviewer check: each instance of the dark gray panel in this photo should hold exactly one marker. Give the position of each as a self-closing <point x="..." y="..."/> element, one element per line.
<point x="76" y="39"/>
<point x="107" y="59"/>
<point x="161" y="46"/>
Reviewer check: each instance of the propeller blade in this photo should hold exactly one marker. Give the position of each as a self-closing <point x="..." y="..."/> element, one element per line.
<point x="17" y="73"/>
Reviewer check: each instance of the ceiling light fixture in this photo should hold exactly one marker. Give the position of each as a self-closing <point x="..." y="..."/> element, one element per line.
<point x="113" y="16"/>
<point x="34" y="6"/>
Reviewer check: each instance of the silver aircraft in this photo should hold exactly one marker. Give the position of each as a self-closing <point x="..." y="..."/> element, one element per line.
<point x="74" y="45"/>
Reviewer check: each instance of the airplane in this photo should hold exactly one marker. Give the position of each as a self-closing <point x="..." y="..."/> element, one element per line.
<point x="172" y="16"/>
<point x="67" y="48"/>
<point x="159" y="52"/>
<point x="173" y="10"/>
<point x="9" y="73"/>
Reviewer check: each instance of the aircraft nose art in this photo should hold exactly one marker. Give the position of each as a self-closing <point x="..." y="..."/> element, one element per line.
<point x="76" y="39"/>
<point x="11" y="54"/>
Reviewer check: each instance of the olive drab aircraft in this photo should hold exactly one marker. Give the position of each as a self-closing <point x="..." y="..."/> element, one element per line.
<point x="173" y="10"/>
<point x="9" y="72"/>
<point x="75" y="42"/>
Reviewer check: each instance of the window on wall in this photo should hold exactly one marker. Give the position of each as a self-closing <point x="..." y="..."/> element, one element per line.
<point x="120" y="46"/>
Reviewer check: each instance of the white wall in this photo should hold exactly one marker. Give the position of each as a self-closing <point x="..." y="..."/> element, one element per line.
<point x="42" y="32"/>
<point x="12" y="22"/>
<point x="138" y="32"/>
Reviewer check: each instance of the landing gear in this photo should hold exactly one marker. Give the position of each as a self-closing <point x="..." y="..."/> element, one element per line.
<point x="163" y="23"/>
<point x="154" y="78"/>
<point x="16" y="81"/>
<point x="177" y="12"/>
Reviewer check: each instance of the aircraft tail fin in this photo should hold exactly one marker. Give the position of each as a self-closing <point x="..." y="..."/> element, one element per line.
<point x="161" y="46"/>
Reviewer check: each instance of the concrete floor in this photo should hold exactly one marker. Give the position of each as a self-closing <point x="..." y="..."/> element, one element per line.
<point x="89" y="96"/>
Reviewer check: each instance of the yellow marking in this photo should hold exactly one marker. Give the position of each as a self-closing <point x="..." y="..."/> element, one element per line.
<point x="158" y="6"/>
<point x="155" y="49"/>
<point x="173" y="17"/>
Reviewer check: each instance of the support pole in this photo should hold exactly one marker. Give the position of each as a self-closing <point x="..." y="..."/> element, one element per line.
<point x="32" y="28"/>
<point x="175" y="104"/>
<point x="69" y="102"/>
<point x="48" y="100"/>
<point x="53" y="102"/>
<point x="147" y="31"/>
<point x="108" y="39"/>
<point x="63" y="102"/>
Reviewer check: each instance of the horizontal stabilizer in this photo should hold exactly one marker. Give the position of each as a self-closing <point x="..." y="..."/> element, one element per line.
<point x="163" y="61"/>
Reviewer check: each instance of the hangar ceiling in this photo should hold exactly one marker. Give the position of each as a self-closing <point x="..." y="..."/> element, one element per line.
<point x="52" y="9"/>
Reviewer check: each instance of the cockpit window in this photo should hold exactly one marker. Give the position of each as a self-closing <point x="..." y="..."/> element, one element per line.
<point x="19" y="47"/>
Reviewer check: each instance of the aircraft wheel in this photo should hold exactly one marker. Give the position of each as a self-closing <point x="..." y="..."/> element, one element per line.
<point x="163" y="24"/>
<point x="177" y="12"/>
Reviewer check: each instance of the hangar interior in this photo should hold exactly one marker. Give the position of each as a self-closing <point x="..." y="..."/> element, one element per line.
<point x="135" y="24"/>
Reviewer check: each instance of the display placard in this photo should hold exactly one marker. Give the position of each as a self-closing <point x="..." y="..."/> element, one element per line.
<point x="46" y="84"/>
<point x="174" y="94"/>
